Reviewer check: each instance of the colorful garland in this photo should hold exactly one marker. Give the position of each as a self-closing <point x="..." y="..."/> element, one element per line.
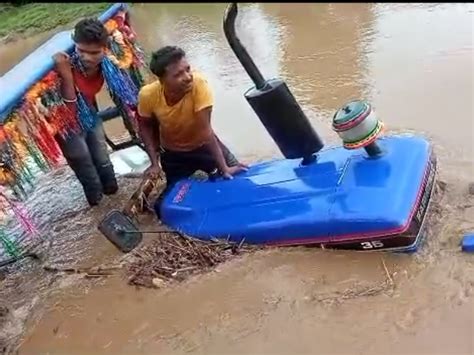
<point x="7" y="208"/>
<point x="27" y="138"/>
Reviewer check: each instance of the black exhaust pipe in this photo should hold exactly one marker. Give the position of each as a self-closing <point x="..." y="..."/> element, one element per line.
<point x="274" y="104"/>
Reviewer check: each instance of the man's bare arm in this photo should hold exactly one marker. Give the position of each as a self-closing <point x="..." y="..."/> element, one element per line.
<point x="205" y="116"/>
<point x="147" y="127"/>
<point x="63" y="68"/>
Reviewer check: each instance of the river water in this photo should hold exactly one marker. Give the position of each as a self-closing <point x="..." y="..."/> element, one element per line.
<point x="415" y="64"/>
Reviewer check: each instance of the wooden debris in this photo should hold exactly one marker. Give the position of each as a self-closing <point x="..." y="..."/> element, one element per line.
<point x="471" y="188"/>
<point x="175" y="257"/>
<point x="389" y="277"/>
<point x="385" y="287"/>
<point x="89" y="272"/>
<point x="158" y="282"/>
<point x="139" y="201"/>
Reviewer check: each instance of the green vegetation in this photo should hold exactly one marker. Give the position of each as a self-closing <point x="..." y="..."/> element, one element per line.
<point x="37" y="17"/>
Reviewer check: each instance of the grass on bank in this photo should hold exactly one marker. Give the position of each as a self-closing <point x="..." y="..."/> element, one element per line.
<point x="39" y="17"/>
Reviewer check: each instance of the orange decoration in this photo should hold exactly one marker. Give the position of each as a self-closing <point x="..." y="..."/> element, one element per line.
<point x="111" y="26"/>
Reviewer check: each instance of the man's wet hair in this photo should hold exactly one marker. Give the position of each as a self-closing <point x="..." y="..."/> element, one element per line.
<point x="163" y="57"/>
<point x="90" y="31"/>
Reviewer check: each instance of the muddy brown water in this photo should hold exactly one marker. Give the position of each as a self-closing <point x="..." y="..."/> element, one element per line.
<point x="415" y="64"/>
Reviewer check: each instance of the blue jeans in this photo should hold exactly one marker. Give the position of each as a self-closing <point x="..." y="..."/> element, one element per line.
<point x="86" y="154"/>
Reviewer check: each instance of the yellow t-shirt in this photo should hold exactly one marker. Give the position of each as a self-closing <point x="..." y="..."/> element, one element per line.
<point x="179" y="128"/>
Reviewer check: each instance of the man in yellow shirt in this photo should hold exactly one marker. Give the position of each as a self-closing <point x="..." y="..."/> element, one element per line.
<point x="179" y="104"/>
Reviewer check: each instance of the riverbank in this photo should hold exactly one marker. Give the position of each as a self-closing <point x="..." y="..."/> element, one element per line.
<point x="21" y="21"/>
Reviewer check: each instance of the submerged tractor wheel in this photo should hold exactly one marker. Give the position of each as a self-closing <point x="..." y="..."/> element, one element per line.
<point x="358" y="127"/>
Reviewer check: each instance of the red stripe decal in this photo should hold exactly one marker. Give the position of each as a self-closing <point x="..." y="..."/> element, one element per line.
<point x="349" y="237"/>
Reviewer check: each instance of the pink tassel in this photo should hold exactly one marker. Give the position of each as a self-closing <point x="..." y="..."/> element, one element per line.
<point x="25" y="220"/>
<point x="22" y="216"/>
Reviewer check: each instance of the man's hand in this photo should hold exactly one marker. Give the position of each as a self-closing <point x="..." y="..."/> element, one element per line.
<point x="229" y="172"/>
<point x="153" y="171"/>
<point x="62" y="64"/>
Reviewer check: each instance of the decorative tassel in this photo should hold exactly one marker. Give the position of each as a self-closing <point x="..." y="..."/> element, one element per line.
<point x="119" y="82"/>
<point x="136" y="76"/>
<point x="21" y="215"/>
<point x="27" y="138"/>
<point x="87" y="118"/>
<point x="37" y="156"/>
<point x="56" y="112"/>
<point x="11" y="247"/>
<point x="115" y="48"/>
<point x="18" y="154"/>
